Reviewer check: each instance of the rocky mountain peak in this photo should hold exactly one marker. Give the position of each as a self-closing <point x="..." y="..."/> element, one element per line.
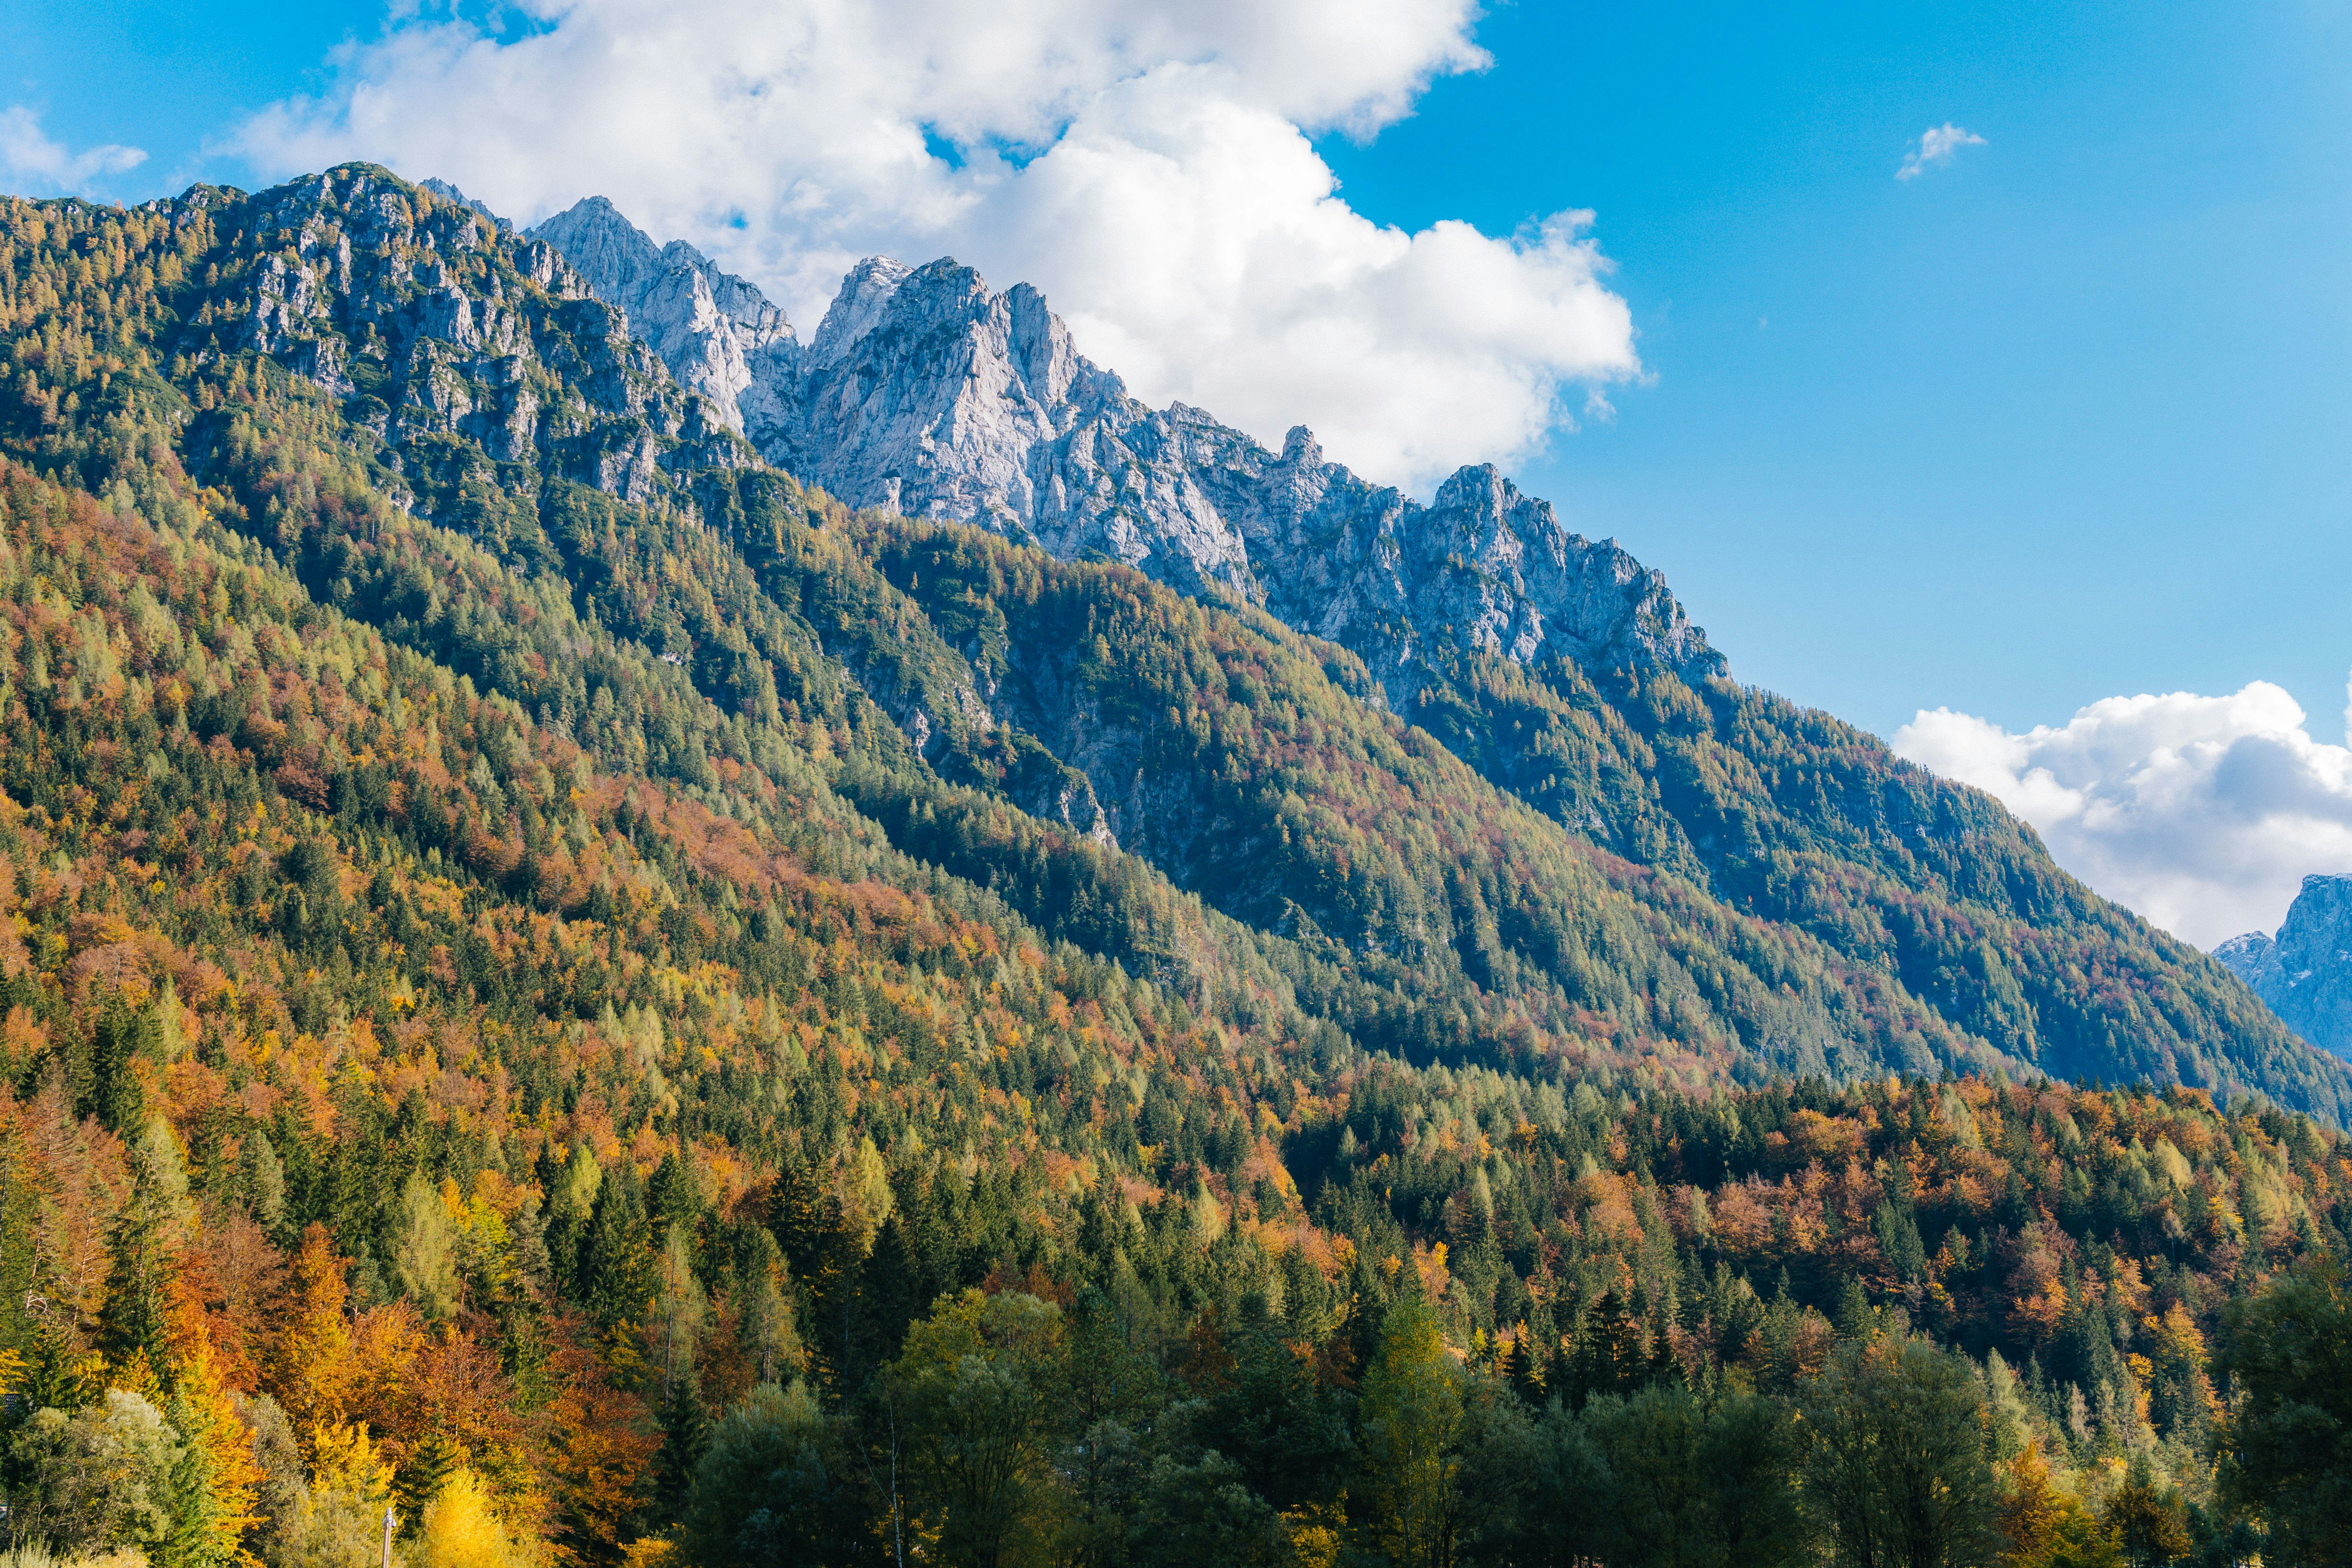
<point x="925" y="392"/>
<point x="612" y="253"/>
<point x="451" y="193"/>
<point x="719" y="334"/>
<point x="2304" y="972"/>
<point x="865" y="295"/>
<point x="434" y="319"/>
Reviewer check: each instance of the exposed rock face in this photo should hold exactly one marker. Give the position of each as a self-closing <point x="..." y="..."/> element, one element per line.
<point x="448" y="191"/>
<point x="924" y="392"/>
<point x="434" y="320"/>
<point x="2305" y="972"/>
<point x="718" y="335"/>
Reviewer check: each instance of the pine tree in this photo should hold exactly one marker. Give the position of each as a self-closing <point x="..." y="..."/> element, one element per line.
<point x="421" y="1476"/>
<point x="424" y="1250"/>
<point x="1524" y="1368"/>
<point x="196" y="1537"/>
<point x="1607" y="1355"/>
<point x="218" y="1485"/>
<point x="126" y="1044"/>
<point x="685" y="1428"/>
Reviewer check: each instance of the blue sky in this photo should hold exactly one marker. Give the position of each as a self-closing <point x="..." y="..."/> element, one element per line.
<point x="2069" y="418"/>
<point x="2066" y="418"/>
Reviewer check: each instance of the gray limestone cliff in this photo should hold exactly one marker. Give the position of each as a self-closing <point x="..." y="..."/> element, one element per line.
<point x="925" y="393"/>
<point x="429" y="318"/>
<point x="718" y="335"/>
<point x="2304" y="973"/>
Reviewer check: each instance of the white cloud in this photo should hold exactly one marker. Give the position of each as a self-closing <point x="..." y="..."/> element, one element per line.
<point x="31" y="159"/>
<point x="2202" y="813"/>
<point x="1146" y="163"/>
<point x="1938" y="146"/>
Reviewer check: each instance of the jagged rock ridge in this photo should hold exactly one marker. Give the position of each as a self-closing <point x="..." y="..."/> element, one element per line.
<point x="435" y="322"/>
<point x="925" y="393"/>
<point x="2304" y="973"/>
<point x="718" y="335"/>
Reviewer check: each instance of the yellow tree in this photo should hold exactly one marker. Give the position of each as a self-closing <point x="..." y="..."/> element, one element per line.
<point x="313" y="1373"/>
<point x="462" y="1530"/>
<point x="218" y="1463"/>
<point x="1412" y="1420"/>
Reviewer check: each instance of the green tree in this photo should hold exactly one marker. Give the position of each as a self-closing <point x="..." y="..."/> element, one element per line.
<point x="94" y="1479"/>
<point x="1540" y="1493"/>
<point x="979" y="1383"/>
<point x="424" y="1250"/>
<point x="195" y="1538"/>
<point x="2286" y="1449"/>
<point x="767" y="1493"/>
<point x="770" y="1334"/>
<point x="1748" y="1457"/>
<point x="1201" y="1512"/>
<point x="619" y="1267"/>
<point x="1661" y="1498"/>
<point x="132" y="1332"/>
<point x="1411" y="1423"/>
<point x="1895" y="1457"/>
<point x="2149" y="1525"/>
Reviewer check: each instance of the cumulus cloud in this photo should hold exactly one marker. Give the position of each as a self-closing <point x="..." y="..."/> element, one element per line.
<point x="1938" y="146"/>
<point x="32" y="160"/>
<point x="2202" y="813"/>
<point x="1148" y="164"/>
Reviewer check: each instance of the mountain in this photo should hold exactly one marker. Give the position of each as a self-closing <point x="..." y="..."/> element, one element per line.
<point x="547" y="962"/>
<point x="1560" y="670"/>
<point x="716" y="332"/>
<point x="2304" y="973"/>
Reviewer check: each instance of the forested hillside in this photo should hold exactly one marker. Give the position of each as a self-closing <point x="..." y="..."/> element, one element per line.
<point x="559" y="980"/>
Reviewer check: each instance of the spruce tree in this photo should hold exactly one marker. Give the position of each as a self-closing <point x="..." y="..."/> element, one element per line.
<point x="617" y="1273"/>
<point x="133" y="1325"/>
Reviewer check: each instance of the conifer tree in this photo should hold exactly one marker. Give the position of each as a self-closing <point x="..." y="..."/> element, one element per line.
<point x="216" y="1483"/>
<point x="619" y="1268"/>
<point x="134" y="1324"/>
<point x="424" y="1248"/>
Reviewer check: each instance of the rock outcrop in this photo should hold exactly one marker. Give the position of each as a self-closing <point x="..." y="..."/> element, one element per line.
<point x="925" y="393"/>
<point x="430" y="318"/>
<point x="718" y="335"/>
<point x="2304" y="972"/>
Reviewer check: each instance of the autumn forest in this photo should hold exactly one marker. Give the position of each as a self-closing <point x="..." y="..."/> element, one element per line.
<point x="507" y="1025"/>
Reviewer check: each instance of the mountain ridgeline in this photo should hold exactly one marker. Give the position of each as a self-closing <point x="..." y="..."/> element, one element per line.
<point x="1556" y="670"/>
<point x="576" y="867"/>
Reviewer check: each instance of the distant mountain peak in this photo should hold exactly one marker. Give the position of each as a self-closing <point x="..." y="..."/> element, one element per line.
<point x="2304" y="972"/>
<point x="448" y="191"/>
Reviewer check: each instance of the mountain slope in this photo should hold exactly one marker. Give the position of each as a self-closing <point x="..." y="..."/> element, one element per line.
<point x="1559" y="670"/>
<point x="1190" y="788"/>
